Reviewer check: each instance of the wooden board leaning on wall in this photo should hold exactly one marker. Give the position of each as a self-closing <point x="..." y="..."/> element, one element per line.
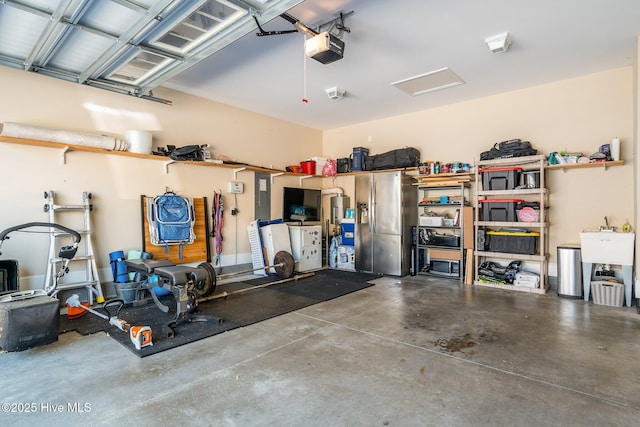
<point x="198" y="251"/>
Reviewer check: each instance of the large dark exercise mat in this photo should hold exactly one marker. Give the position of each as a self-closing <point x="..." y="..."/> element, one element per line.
<point x="235" y="311"/>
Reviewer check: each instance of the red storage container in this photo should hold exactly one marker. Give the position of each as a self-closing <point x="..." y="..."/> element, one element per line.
<point x="506" y="178"/>
<point x="499" y="210"/>
<point x="308" y="167"/>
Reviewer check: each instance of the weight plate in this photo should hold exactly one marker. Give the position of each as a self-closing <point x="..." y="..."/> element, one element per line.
<point x="284" y="264"/>
<point x="210" y="283"/>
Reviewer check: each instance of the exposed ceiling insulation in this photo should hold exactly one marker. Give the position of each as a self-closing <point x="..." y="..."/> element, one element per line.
<point x="126" y="46"/>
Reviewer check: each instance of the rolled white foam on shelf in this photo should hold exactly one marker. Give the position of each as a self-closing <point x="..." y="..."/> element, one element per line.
<point x="16" y="130"/>
<point x="139" y="141"/>
<point x="615" y="148"/>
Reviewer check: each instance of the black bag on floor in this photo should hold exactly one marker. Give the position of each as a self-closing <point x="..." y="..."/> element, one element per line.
<point x="508" y="149"/>
<point x="406" y="157"/>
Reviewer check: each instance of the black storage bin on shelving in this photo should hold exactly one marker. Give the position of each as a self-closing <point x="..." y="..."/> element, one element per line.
<point x="428" y="237"/>
<point x="506" y="178"/>
<point x="519" y="242"/>
<point x="443" y="240"/>
<point x="499" y="210"/>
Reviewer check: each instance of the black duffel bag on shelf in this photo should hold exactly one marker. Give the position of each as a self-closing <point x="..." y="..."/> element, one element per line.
<point x="400" y="158"/>
<point x="508" y="149"/>
<point x="188" y="152"/>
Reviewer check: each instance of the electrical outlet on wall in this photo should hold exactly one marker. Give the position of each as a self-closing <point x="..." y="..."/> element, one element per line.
<point x="235" y="187"/>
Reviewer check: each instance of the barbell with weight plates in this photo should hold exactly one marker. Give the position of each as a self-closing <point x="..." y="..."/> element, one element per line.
<point x="283" y="264"/>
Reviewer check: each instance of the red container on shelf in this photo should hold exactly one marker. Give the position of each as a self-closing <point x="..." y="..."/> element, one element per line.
<point x="308" y="167"/>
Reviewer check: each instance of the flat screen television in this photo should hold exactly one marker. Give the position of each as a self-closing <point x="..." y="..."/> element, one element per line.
<point x="301" y="204"/>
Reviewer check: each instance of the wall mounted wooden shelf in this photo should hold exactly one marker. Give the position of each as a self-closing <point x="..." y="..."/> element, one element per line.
<point x="603" y="165"/>
<point x="66" y="148"/>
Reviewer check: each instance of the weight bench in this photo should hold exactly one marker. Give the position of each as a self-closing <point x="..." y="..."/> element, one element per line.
<point x="181" y="280"/>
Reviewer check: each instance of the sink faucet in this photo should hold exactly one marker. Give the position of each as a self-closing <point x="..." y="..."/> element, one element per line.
<point x="606" y="227"/>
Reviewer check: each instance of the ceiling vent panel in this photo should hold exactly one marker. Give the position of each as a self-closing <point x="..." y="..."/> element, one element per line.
<point x="429" y="82"/>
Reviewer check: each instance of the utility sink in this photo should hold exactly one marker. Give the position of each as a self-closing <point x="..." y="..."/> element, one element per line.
<point x="607" y="247"/>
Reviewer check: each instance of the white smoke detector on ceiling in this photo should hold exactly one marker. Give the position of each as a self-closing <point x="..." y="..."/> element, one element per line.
<point x="498" y="43"/>
<point x="335" y="92"/>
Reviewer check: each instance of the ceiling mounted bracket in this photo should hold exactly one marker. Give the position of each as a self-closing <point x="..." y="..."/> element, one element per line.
<point x="300" y="27"/>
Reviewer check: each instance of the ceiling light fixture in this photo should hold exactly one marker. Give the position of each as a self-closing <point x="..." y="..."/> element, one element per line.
<point x="498" y="43"/>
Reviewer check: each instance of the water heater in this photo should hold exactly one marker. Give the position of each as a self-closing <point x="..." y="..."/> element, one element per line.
<point x="338" y="206"/>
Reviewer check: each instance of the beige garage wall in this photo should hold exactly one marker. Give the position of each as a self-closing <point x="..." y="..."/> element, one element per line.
<point x="576" y="115"/>
<point x="239" y="134"/>
<point x="117" y="182"/>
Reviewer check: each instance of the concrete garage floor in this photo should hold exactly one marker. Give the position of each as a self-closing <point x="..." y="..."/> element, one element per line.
<point x="414" y="352"/>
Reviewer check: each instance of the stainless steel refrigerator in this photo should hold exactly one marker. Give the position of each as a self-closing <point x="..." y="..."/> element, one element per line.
<point x="386" y="210"/>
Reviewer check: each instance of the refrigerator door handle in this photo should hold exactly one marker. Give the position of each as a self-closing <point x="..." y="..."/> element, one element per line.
<point x="372" y="207"/>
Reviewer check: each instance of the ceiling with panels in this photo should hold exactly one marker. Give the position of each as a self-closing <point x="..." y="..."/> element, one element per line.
<point x="211" y="49"/>
<point x="121" y="45"/>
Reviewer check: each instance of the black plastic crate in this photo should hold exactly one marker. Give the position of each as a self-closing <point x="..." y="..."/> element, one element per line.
<point x="506" y="178"/>
<point x="499" y="210"/>
<point x="525" y="243"/>
<point x="452" y="240"/>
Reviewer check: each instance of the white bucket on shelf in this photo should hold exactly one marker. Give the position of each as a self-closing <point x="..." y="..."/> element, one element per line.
<point x="139" y="141"/>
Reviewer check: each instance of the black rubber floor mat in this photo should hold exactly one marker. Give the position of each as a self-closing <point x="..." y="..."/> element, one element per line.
<point x="328" y="285"/>
<point x="235" y="310"/>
